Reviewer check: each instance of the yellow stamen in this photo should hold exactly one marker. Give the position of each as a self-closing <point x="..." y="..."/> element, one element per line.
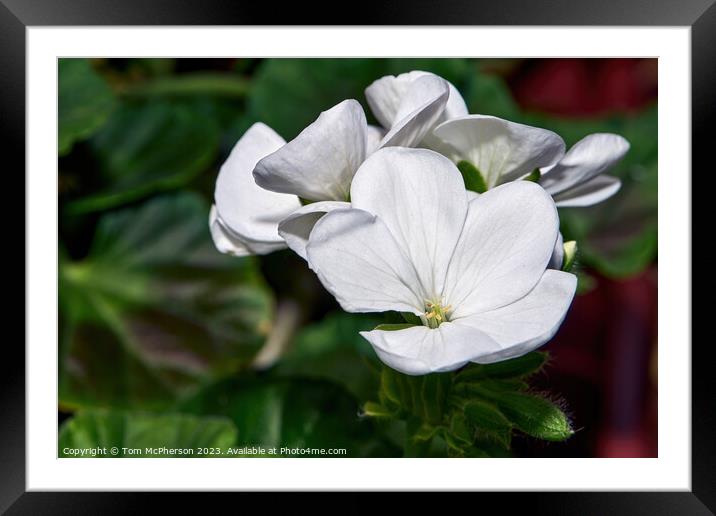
<point x="435" y="314"/>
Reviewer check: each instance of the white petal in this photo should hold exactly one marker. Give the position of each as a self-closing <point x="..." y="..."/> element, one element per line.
<point x="385" y="95"/>
<point x="249" y="211"/>
<point x="597" y="190"/>
<point x="555" y="262"/>
<point x="455" y="106"/>
<point x="296" y="228"/>
<point x="229" y="243"/>
<point x="503" y="151"/>
<point x="587" y="159"/>
<point x="320" y="162"/>
<point x="374" y="135"/>
<point x="420" y="110"/>
<point x="525" y="325"/>
<point x="422" y="350"/>
<point x="507" y="241"/>
<point x="420" y="196"/>
<point x="359" y="262"/>
<point x="472" y="195"/>
<point x="224" y="241"/>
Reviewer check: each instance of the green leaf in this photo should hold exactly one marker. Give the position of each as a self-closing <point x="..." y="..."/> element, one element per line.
<point x="148" y="147"/>
<point x="154" y="310"/>
<point x="488" y="421"/>
<point x="489" y="95"/>
<point x="472" y="177"/>
<point x="519" y="367"/>
<point x="570" y="254"/>
<point x="133" y="433"/>
<point x="533" y="415"/>
<point x="84" y="99"/>
<point x="289" y="94"/>
<point x="292" y="412"/>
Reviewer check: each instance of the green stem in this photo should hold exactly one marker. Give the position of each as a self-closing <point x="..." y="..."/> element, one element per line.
<point x="215" y="84"/>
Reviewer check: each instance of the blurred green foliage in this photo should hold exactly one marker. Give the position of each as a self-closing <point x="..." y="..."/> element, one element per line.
<point x="153" y="310"/>
<point x="133" y="433"/>
<point x="85" y="102"/>
<point x="158" y="330"/>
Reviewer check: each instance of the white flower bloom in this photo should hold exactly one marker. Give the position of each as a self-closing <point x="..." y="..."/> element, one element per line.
<point x="576" y="179"/>
<point x="296" y="228"/>
<point x="473" y="268"/>
<point x="501" y="150"/>
<point x="319" y="164"/>
<point x="555" y="262"/>
<point x="505" y="151"/>
<point x="392" y="97"/>
<point x="245" y="217"/>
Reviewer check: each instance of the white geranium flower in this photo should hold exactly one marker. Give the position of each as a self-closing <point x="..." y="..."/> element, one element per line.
<point x="502" y="151"/>
<point x="576" y="180"/>
<point x="265" y="179"/>
<point x="245" y="217"/>
<point x="474" y="269"/>
<point x="319" y="164"/>
<point x="392" y="97"/>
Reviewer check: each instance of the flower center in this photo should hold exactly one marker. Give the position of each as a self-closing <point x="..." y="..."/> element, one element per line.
<point x="436" y="313"/>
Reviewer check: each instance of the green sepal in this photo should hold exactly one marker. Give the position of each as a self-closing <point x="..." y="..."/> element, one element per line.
<point x="417" y="438"/>
<point x="373" y="409"/>
<point x="424" y="397"/>
<point x="489" y="421"/>
<point x="471" y="175"/>
<point x="519" y="367"/>
<point x="533" y="176"/>
<point x="411" y="318"/>
<point x="460" y="429"/>
<point x="393" y="327"/>
<point x="401" y="317"/>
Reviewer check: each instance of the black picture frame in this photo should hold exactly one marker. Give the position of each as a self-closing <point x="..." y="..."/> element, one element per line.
<point x="17" y="15"/>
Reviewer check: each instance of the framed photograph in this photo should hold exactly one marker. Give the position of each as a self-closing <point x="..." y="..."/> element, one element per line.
<point x="390" y="256"/>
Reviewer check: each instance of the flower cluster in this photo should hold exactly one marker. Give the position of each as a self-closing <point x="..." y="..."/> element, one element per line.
<point x="438" y="213"/>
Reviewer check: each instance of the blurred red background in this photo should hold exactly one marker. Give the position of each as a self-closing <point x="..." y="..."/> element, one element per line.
<point x="605" y="355"/>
